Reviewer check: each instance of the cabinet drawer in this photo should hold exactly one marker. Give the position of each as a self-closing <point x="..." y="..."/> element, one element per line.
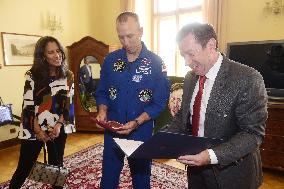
<point x="274" y="127"/>
<point x="276" y="114"/>
<point x="272" y="159"/>
<point x="272" y="142"/>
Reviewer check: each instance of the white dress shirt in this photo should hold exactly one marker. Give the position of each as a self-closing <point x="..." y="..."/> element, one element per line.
<point x="89" y="70"/>
<point x="211" y="76"/>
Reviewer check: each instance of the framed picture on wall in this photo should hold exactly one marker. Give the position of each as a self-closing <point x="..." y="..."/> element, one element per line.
<point x="18" y="49"/>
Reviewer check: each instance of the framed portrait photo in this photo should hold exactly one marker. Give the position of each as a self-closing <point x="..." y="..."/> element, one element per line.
<point x="18" y="49"/>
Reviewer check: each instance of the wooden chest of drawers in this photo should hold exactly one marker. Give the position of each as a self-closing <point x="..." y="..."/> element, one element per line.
<point x="272" y="149"/>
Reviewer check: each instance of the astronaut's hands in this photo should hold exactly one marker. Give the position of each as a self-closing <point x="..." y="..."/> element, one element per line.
<point x="102" y="114"/>
<point x="101" y="117"/>
<point x="128" y="128"/>
<point x="134" y="124"/>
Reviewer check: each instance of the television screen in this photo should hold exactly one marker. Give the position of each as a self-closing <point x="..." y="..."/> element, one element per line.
<point x="265" y="56"/>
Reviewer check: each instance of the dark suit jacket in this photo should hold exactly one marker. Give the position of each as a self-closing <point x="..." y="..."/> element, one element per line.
<point x="86" y="79"/>
<point x="236" y="112"/>
<point x="84" y="74"/>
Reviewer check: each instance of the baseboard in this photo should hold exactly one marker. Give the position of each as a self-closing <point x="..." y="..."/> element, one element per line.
<point x="9" y="143"/>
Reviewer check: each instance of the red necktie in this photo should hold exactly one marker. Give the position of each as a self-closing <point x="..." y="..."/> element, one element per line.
<point x="196" y="106"/>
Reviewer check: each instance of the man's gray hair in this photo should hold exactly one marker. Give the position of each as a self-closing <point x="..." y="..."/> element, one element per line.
<point x="122" y="17"/>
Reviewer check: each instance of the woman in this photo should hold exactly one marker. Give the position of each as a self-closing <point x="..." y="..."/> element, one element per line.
<point x="48" y="111"/>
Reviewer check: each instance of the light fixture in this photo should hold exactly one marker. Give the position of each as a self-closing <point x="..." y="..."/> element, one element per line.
<point x="274" y="7"/>
<point x="54" y="23"/>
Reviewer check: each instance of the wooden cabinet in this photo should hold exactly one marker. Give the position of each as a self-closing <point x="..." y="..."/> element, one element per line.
<point x="87" y="46"/>
<point x="272" y="149"/>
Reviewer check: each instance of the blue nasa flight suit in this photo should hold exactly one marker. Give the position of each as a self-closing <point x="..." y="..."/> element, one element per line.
<point x="129" y="89"/>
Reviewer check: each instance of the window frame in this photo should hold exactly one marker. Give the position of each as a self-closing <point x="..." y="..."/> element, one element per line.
<point x="155" y="25"/>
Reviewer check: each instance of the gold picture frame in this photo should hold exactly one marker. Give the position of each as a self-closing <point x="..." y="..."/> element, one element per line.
<point x="18" y="49"/>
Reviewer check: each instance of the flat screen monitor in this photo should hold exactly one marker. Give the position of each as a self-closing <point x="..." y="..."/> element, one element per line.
<point x="265" y="56"/>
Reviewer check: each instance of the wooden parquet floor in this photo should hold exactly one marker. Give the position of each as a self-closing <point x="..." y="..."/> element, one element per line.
<point x="77" y="141"/>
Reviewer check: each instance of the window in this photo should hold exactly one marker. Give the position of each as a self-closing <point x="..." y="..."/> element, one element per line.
<point x="168" y="17"/>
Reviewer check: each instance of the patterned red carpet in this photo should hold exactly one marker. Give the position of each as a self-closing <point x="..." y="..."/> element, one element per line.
<point x="85" y="168"/>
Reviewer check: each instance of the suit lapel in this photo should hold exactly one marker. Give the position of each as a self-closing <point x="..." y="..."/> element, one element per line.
<point x="218" y="87"/>
<point x="190" y="88"/>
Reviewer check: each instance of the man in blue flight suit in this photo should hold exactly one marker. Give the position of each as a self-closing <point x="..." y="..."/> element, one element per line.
<point x="133" y="90"/>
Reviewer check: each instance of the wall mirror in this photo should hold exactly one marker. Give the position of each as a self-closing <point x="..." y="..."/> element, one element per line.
<point x="93" y="51"/>
<point x="89" y="77"/>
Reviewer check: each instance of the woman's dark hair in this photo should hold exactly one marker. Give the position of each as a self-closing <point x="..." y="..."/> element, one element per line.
<point x="40" y="68"/>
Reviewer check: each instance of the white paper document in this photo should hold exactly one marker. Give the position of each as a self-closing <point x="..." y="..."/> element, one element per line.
<point x="128" y="146"/>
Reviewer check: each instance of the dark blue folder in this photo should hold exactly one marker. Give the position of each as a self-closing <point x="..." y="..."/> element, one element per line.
<point x="166" y="145"/>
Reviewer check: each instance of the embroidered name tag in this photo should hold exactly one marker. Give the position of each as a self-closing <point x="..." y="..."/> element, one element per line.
<point x="145" y="67"/>
<point x="144" y="70"/>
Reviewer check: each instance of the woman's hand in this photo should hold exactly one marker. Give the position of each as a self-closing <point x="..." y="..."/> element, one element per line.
<point x="42" y="136"/>
<point x="55" y="131"/>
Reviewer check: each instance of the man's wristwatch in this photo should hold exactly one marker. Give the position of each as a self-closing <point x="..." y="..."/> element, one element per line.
<point x="137" y="122"/>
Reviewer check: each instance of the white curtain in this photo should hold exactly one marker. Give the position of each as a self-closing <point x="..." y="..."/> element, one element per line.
<point x="213" y="12"/>
<point x="143" y="9"/>
<point x="127" y="5"/>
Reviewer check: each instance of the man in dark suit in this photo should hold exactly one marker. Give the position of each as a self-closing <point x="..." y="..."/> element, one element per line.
<point x="86" y="75"/>
<point x="221" y="99"/>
